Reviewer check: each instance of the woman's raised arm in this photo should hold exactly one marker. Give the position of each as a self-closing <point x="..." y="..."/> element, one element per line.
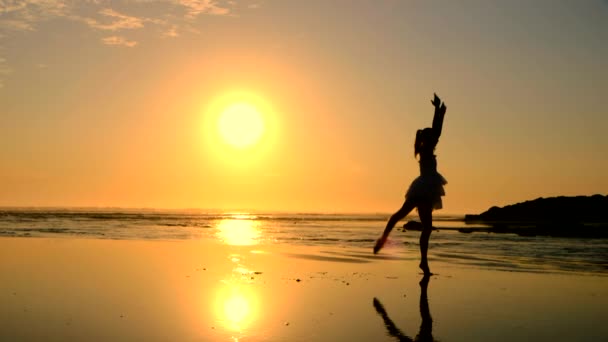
<point x="440" y="109"/>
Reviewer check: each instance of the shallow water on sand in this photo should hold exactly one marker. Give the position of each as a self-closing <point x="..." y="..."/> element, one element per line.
<point x="74" y="289"/>
<point x="486" y="250"/>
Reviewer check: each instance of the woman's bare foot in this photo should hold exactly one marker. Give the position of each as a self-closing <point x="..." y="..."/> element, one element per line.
<point x="425" y="268"/>
<point x="379" y="244"/>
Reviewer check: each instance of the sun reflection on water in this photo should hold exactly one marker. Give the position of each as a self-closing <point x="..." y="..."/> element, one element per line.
<point x="236" y="307"/>
<point x="239" y="232"/>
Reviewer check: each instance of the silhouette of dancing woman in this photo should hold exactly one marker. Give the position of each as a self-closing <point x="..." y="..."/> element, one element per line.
<point x="426" y="190"/>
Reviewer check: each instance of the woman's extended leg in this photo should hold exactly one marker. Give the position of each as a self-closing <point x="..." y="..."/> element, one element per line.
<point x="408" y="206"/>
<point x="425" y="211"/>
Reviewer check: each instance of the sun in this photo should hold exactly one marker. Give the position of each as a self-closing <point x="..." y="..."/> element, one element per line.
<point x="241" y="125"/>
<point x="240" y="128"/>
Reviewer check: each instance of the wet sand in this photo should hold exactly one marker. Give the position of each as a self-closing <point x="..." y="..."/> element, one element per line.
<point x="85" y="289"/>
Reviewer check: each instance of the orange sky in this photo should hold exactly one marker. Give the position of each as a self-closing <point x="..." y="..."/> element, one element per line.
<point x="112" y="104"/>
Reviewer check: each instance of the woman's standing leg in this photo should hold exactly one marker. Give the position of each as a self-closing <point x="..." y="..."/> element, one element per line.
<point x="407" y="207"/>
<point x="425" y="211"/>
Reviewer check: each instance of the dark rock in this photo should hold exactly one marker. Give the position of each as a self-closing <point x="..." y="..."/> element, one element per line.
<point x="580" y="216"/>
<point x="563" y="209"/>
<point x="414" y="226"/>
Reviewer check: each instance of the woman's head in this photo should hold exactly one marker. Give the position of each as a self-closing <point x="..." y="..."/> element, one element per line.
<point x="425" y="141"/>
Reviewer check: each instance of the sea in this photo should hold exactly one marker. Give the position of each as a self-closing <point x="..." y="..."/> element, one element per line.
<point x="353" y="234"/>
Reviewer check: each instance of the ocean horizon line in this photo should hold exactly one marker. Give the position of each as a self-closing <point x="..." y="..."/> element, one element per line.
<point x="206" y="211"/>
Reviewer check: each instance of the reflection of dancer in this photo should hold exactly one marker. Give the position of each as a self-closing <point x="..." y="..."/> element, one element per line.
<point x="426" y="327"/>
<point x="426" y="190"/>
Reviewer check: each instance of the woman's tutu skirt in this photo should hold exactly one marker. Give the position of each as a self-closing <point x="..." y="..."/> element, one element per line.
<point x="427" y="188"/>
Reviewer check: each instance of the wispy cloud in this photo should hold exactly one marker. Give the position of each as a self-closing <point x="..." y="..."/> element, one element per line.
<point x="195" y="8"/>
<point x="118" y="21"/>
<point x="17" y="25"/>
<point x="11" y="6"/>
<point x="25" y="14"/>
<point x="118" y="40"/>
<point x="176" y="17"/>
<point x="171" y="32"/>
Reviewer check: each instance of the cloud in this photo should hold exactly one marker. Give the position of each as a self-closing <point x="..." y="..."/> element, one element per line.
<point x="11" y="6"/>
<point x="24" y="15"/>
<point x="119" y="41"/>
<point x="196" y="7"/>
<point x="117" y="22"/>
<point x="105" y="16"/>
<point x="17" y="25"/>
<point x="171" y="32"/>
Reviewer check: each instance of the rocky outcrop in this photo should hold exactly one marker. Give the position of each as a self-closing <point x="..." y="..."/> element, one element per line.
<point x="580" y="209"/>
<point x="580" y="216"/>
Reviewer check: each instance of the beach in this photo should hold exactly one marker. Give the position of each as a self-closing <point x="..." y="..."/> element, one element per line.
<point x="58" y="289"/>
<point x="227" y="170"/>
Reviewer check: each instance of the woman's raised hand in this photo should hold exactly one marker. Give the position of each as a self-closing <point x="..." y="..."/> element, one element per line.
<point x="436" y="101"/>
<point x="440" y="107"/>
